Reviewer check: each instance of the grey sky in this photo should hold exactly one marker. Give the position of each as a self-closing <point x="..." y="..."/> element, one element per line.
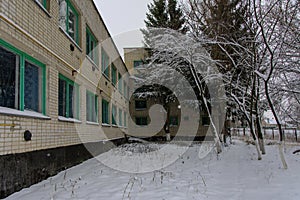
<point x="123" y="19"/>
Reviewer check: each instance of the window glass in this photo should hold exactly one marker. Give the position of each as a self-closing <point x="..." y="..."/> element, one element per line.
<point x="32" y="85"/>
<point x="44" y="3"/>
<point x="91" y="107"/>
<point x="140" y="104"/>
<point x="9" y="79"/>
<point x="114" y="115"/>
<point x="105" y="63"/>
<point x="68" y="98"/>
<point x="125" y="119"/>
<point x="105" y="112"/>
<point x="174" y="120"/>
<point x="120" y="117"/>
<point x="91" y="46"/>
<point x="113" y="75"/>
<point x="68" y="19"/>
<point x="137" y="63"/>
<point x="205" y="121"/>
<point x="120" y="83"/>
<point x="141" y="121"/>
<point x="21" y="89"/>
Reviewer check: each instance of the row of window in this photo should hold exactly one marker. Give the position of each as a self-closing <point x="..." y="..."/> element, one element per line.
<point x="69" y="23"/>
<point x="23" y="87"/>
<point x="68" y="105"/>
<point x="143" y="121"/>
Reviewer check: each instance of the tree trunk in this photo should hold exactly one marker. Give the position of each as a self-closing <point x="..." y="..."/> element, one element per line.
<point x="258" y="121"/>
<point x="167" y="124"/>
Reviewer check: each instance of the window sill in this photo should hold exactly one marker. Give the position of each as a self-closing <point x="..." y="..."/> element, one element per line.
<point x="140" y="109"/>
<point x="92" y="123"/>
<point x="115" y="126"/>
<point x="93" y="62"/>
<point x="106" y="125"/>
<point x="71" y="39"/>
<point x="26" y="113"/>
<point x="43" y="8"/>
<point x="64" y="119"/>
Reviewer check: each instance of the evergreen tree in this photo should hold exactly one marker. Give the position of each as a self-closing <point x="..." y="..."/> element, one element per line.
<point x="164" y="14"/>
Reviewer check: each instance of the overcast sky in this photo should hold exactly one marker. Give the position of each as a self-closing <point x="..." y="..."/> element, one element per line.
<point x="123" y="19"/>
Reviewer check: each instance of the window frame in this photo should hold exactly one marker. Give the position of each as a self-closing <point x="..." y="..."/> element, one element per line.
<point x="120" y="114"/>
<point x="125" y="119"/>
<point x="105" y="67"/>
<point x="94" y="50"/>
<point x="114" y="75"/>
<point x="45" y="5"/>
<point x="76" y="88"/>
<point x="23" y="57"/>
<point x="76" y="14"/>
<point x="114" y="115"/>
<point x="90" y="109"/>
<point x="120" y="85"/>
<point x="105" y="113"/>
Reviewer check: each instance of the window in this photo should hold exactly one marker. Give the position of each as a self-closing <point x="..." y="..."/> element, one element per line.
<point x="69" y="19"/>
<point x="120" y="117"/>
<point x="141" y="121"/>
<point x="105" y="112"/>
<point x="91" y="107"/>
<point x="113" y="75"/>
<point x="140" y="104"/>
<point x="137" y="63"/>
<point x="68" y="98"/>
<point x="125" y="89"/>
<point x="114" y="115"/>
<point x="22" y="80"/>
<point x="125" y="119"/>
<point x="91" y="46"/>
<point x="44" y="3"/>
<point x="205" y="121"/>
<point x="120" y="83"/>
<point x="105" y="63"/>
<point x="174" y="120"/>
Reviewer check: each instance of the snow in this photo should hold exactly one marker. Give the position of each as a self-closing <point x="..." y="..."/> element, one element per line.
<point x="25" y="113"/>
<point x="234" y="174"/>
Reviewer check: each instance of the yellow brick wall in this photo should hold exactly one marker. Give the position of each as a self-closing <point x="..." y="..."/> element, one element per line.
<point x="30" y="29"/>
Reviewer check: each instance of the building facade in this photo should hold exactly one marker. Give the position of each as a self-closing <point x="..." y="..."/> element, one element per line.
<point x="141" y="124"/>
<point x="63" y="87"/>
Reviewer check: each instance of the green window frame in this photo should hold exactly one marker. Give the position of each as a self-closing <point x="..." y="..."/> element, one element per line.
<point x="91" y="107"/>
<point x="30" y="74"/>
<point x="113" y="75"/>
<point x="105" y="112"/>
<point x="120" y="83"/>
<point x="125" y="119"/>
<point x="105" y="63"/>
<point x="91" y="46"/>
<point x="125" y="89"/>
<point x="44" y="3"/>
<point x="120" y="117"/>
<point x="141" y="121"/>
<point x="69" y="19"/>
<point x="114" y="115"/>
<point x="68" y="98"/>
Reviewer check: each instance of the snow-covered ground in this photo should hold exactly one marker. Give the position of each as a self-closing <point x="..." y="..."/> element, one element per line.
<point x="235" y="174"/>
